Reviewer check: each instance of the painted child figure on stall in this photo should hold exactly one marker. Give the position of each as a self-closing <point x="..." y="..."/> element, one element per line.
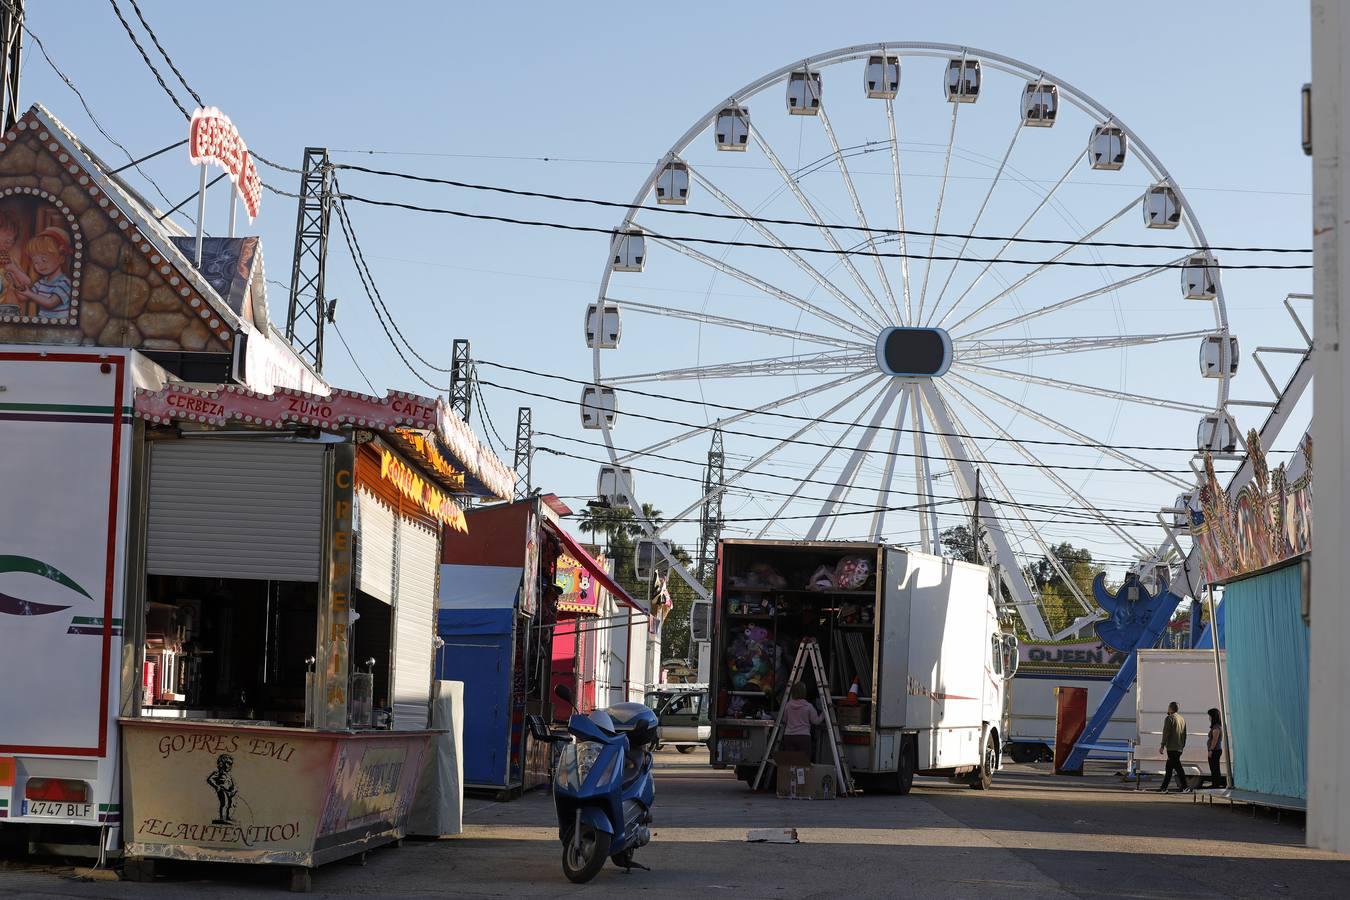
<point x="47" y="252"/>
<point x="13" y="279"/>
<point x="222" y="782"/>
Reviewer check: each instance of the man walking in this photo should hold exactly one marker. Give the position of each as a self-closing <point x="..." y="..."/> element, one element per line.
<point x="1173" y="742"/>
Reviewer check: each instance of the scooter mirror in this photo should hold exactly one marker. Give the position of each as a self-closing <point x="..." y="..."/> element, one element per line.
<point x="565" y="694"/>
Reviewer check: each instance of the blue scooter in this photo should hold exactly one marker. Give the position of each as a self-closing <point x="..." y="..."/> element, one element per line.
<point x="603" y="787"/>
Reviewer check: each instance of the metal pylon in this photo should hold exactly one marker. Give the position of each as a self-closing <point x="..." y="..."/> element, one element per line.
<point x="11" y="49"/>
<point x="710" y="518"/>
<point x="305" y="314"/>
<point x="524" y="452"/>
<point x="461" y="380"/>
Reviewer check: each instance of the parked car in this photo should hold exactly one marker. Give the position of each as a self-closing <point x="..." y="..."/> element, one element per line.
<point x="682" y="711"/>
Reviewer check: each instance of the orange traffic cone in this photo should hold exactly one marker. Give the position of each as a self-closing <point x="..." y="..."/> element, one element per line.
<point x="852" y="698"/>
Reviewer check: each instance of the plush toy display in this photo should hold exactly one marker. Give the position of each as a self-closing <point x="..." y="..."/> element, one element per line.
<point x="852" y="573"/>
<point x="752" y="660"/>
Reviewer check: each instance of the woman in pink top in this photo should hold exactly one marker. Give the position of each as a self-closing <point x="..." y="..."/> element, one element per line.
<point x="798" y="717"/>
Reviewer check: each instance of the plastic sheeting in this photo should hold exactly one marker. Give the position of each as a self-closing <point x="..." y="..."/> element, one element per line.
<point x="1268" y="682"/>
<point x="477" y="652"/>
<point x="438" y="808"/>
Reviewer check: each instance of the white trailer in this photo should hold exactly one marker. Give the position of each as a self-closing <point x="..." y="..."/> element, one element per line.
<point x="1187" y="677"/>
<point x="1032" y="704"/>
<point x="66" y="445"/>
<point x="921" y="636"/>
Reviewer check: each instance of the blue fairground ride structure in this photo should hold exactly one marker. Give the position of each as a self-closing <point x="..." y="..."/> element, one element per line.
<point x="1135" y="618"/>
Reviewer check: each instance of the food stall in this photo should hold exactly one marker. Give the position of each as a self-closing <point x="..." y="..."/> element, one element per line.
<point x="222" y="597"/>
<point x="498" y="622"/>
<point x="291" y="556"/>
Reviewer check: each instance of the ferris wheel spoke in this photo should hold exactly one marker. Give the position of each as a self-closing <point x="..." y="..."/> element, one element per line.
<point x="937" y="215"/>
<point x="825" y="230"/>
<point x="888" y="470"/>
<point x="723" y="322"/>
<point x="858" y="210"/>
<point x="1074" y="434"/>
<point x="759" y="284"/>
<point x="1073" y="387"/>
<point x="1075" y="300"/>
<point x="1086" y="236"/>
<point x="819" y="363"/>
<point x="884" y="400"/>
<point x="963" y="471"/>
<point x="769" y="454"/>
<point x="899" y="208"/>
<point x="995" y="349"/>
<point x="1053" y="476"/>
<point x="1017" y="510"/>
<point x="745" y="414"/>
<point x="929" y="533"/>
<point x="773" y="238"/>
<point x="984" y="204"/>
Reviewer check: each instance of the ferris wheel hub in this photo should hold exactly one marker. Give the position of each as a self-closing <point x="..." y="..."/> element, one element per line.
<point x="914" y="352"/>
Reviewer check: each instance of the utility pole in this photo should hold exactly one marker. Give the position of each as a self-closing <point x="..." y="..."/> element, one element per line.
<point x="306" y="312"/>
<point x="975" y="522"/>
<point x="524" y="451"/>
<point x="461" y="380"/>
<point x="11" y="47"/>
<point x="710" y="518"/>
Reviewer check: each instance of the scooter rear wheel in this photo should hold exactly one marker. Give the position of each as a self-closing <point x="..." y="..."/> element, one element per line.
<point x="581" y="860"/>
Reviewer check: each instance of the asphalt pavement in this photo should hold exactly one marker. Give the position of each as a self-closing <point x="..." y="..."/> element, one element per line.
<point x="1033" y="835"/>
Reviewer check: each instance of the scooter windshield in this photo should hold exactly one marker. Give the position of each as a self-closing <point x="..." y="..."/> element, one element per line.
<point x="603" y="721"/>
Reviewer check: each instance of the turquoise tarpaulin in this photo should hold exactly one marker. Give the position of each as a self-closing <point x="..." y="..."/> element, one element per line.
<point x="1268" y="682"/>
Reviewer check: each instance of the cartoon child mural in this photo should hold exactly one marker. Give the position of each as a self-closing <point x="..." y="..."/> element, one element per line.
<point x="13" y="279"/>
<point x="47" y="253"/>
<point x="223" y="783"/>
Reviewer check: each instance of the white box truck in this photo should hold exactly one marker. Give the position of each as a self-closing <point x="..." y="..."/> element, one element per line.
<point x="66" y="448"/>
<point x="1044" y="668"/>
<point x="916" y="636"/>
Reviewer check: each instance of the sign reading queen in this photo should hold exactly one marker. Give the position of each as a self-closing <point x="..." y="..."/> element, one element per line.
<point x="212" y="138"/>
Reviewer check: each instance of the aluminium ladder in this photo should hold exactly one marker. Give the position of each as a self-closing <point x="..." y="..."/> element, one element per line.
<point x="808" y="653"/>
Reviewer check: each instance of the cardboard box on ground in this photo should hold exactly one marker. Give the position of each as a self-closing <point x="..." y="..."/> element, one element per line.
<point x="799" y="779"/>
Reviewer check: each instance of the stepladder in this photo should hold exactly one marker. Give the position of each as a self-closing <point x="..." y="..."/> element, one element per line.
<point x="808" y="661"/>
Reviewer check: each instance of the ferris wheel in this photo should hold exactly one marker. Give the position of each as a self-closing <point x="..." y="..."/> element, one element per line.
<point x="901" y="285"/>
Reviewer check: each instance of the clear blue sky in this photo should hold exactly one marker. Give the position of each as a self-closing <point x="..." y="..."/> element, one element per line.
<point x="482" y="92"/>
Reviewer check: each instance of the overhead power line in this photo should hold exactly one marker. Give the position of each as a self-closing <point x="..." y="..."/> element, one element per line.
<point x="829" y="251"/>
<point x="865" y="489"/>
<point x="801" y="418"/>
<point x="863" y="508"/>
<point x="1147" y="470"/>
<point x="734" y="217"/>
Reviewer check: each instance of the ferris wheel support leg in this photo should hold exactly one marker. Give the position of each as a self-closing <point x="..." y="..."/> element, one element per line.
<point x="1010" y="571"/>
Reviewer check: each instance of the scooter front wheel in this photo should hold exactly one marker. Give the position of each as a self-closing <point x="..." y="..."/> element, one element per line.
<point x="585" y="855"/>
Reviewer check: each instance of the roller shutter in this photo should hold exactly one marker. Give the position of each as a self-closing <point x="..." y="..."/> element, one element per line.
<point x="235" y="509"/>
<point x="374" y="547"/>
<point x="414" y="623"/>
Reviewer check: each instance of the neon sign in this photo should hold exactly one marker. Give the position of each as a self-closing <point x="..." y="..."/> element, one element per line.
<point x="420" y="491"/>
<point x="212" y="138"/>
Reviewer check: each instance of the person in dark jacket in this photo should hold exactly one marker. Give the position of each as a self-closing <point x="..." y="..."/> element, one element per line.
<point x="1173" y="742"/>
<point x="1214" y="744"/>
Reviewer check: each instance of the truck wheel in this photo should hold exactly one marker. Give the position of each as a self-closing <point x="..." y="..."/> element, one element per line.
<point x="983" y="779"/>
<point x="1023" y="753"/>
<point x="686" y="748"/>
<point x="909" y="761"/>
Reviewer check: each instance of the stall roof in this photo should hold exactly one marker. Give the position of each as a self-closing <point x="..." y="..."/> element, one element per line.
<point x="417" y="425"/>
<point x="574" y="548"/>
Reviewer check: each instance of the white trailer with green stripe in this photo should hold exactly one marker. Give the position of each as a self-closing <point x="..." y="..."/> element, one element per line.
<point x="66" y="448"/>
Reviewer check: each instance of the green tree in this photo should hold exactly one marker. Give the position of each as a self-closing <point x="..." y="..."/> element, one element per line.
<point x="1057" y="598"/>
<point x="957" y="544"/>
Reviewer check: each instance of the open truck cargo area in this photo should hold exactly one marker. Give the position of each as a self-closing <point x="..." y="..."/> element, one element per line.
<point x="918" y="634"/>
